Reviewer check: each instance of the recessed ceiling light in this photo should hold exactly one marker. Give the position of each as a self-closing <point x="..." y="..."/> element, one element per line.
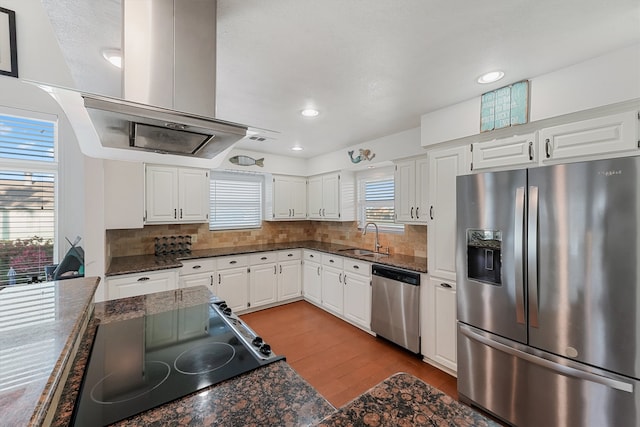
<point x="296" y="148"/>
<point x="490" y="77"/>
<point x="114" y="56"/>
<point x="309" y="112"/>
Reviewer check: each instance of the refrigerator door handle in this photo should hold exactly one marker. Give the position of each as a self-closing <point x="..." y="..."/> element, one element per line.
<point x="518" y="251"/>
<point x="532" y="254"/>
<point x="548" y="364"/>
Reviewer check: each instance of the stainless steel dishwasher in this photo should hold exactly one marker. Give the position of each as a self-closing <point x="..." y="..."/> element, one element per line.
<point x="395" y="306"/>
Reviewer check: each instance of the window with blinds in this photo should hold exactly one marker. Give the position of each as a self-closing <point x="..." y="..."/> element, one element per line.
<point x="376" y="195"/>
<point x="236" y="201"/>
<point x="28" y="172"/>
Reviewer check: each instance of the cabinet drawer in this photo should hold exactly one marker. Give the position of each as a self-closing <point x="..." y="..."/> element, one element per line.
<point x="232" y="261"/>
<point x="289" y="255"/>
<point x="312" y="256"/>
<point x="194" y="266"/>
<point x="332" y="260"/>
<point x="357" y="267"/>
<point x="263" y="258"/>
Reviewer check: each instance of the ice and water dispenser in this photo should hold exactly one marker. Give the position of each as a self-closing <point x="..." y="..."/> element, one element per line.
<point x="484" y="257"/>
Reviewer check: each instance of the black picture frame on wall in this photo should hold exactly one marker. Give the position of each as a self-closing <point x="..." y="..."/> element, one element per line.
<point x="8" y="48"/>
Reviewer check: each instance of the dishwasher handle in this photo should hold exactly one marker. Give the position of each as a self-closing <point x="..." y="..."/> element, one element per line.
<point x="408" y="277"/>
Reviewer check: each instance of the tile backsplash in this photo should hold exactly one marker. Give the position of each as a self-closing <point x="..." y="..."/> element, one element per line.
<point x="142" y="241"/>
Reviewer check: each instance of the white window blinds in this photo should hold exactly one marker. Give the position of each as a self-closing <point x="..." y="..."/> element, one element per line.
<point x="376" y="195"/>
<point x="27" y="197"/>
<point x="236" y="201"/>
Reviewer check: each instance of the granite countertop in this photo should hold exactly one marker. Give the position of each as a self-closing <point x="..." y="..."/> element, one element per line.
<point x="403" y="399"/>
<point x="272" y="395"/>
<point x="142" y="263"/>
<point x="36" y="342"/>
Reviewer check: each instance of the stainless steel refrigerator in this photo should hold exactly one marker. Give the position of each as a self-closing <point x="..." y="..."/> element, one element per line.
<point x="548" y="293"/>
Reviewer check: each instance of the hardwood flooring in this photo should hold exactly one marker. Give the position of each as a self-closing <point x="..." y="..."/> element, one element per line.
<point x="338" y="359"/>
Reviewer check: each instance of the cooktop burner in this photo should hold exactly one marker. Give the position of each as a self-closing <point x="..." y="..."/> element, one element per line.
<point x="141" y="363"/>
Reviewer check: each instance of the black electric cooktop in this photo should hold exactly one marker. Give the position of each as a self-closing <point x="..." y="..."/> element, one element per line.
<point x="141" y="363"/>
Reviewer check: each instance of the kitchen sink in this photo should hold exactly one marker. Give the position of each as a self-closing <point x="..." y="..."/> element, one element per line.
<point x="362" y="252"/>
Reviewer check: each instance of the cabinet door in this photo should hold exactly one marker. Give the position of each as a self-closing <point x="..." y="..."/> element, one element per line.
<point x="161" y="194"/>
<point x="440" y="336"/>
<point x="331" y="196"/>
<point x="299" y="198"/>
<point x="312" y="281"/>
<point x="421" y="215"/>
<point x="123" y="194"/>
<point x="405" y="188"/>
<point x="193" y="322"/>
<point x="357" y="299"/>
<point x="281" y="197"/>
<point x="233" y="287"/>
<point x="263" y="281"/>
<point x="289" y="285"/>
<point x="193" y="190"/>
<point x="600" y="138"/>
<point x="140" y="284"/>
<point x="161" y="329"/>
<point x="332" y="292"/>
<point x="444" y="166"/>
<point x="314" y="197"/>
<point x="517" y="151"/>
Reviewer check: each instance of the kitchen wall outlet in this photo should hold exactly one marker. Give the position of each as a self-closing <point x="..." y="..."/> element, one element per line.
<point x="194" y="238"/>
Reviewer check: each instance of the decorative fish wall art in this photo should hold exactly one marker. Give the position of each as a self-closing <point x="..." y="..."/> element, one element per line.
<point x="246" y="161"/>
<point x="365" y="154"/>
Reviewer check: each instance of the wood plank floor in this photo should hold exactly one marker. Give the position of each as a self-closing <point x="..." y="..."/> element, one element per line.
<point x="336" y="358"/>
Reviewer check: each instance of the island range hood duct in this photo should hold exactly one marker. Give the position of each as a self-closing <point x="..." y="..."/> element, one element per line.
<point x="168" y="83"/>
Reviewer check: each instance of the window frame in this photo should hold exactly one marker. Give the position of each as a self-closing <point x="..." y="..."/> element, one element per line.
<point x="233" y="175"/>
<point x="377" y="174"/>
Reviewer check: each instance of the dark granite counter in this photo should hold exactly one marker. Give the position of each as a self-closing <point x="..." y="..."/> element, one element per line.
<point x="40" y="326"/>
<point x="272" y="395"/>
<point x="142" y="263"/>
<point x="404" y="400"/>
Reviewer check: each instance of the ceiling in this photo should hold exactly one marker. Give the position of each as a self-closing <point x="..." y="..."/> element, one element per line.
<point x="372" y="68"/>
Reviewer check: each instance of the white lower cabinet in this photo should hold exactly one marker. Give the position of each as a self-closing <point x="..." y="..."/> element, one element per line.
<point x="263" y="284"/>
<point x="172" y="326"/>
<point x="439" y="343"/>
<point x="233" y="281"/>
<point x="332" y="292"/>
<point x="131" y="285"/>
<point x="312" y="277"/>
<point x="357" y="292"/>
<point x="198" y="272"/>
<point x="289" y="274"/>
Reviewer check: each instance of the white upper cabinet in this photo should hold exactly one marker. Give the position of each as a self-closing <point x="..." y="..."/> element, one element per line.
<point x="410" y="180"/>
<point x="176" y="195"/>
<point x="331" y="197"/>
<point x="602" y="137"/>
<point x="289" y="197"/>
<point x="516" y="151"/>
<point x="444" y="166"/>
<point x="123" y="195"/>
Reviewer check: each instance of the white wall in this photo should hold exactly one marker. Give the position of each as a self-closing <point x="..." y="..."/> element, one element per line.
<point x="597" y="82"/>
<point x="387" y="148"/>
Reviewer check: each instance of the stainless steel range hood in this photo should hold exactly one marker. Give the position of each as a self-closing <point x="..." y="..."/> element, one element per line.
<point x="167" y="99"/>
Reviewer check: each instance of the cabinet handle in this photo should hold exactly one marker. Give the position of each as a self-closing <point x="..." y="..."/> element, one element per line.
<point x="356" y="267"/>
<point x="233" y="262"/>
<point x="345" y="278"/>
<point x="196" y="267"/>
<point x="431" y="211"/>
<point x="289" y="254"/>
<point x="289" y="212"/>
<point x="143" y="279"/>
<point x="310" y="255"/>
<point x="180" y="213"/>
<point x="445" y="285"/>
<point x="331" y="261"/>
<point x="175" y="213"/>
<point x="318" y="270"/>
<point x="263" y="258"/>
<point x="320" y="212"/>
<point x="219" y="279"/>
<point x="417" y="216"/>
<point x="547" y="147"/>
<point x="411" y="212"/>
<point x="281" y="269"/>
<point x="530" y="150"/>
<point x="211" y="283"/>
<point x="293" y="212"/>
<point x="340" y="278"/>
<point x="274" y="269"/>
<point x="324" y="213"/>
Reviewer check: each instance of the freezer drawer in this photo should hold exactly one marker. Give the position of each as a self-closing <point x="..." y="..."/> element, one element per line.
<point x="530" y="390"/>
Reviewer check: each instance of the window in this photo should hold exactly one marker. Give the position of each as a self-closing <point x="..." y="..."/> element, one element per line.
<point x="376" y="195"/>
<point x="236" y="200"/>
<point x="28" y="171"/>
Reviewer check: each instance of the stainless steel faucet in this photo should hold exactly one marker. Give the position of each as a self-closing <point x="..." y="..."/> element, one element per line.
<point x="364" y="231"/>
